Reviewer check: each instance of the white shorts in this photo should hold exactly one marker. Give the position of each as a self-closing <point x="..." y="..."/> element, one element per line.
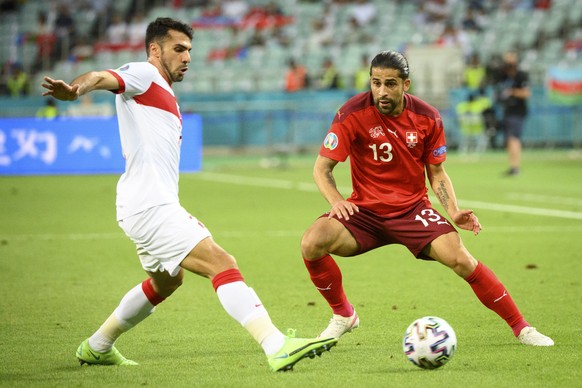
<point x="164" y="235"/>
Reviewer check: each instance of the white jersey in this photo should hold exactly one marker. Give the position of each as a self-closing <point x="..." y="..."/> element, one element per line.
<point x="150" y="128"/>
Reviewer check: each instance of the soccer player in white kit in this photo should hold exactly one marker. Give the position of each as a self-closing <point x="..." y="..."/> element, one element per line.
<point x="167" y="237"/>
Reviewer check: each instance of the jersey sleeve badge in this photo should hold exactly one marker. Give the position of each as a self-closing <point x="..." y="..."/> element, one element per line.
<point x="331" y="141"/>
<point x="439" y="151"/>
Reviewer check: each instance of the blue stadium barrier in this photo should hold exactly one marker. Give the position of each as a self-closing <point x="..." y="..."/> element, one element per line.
<point x="30" y="146"/>
<point x="296" y="120"/>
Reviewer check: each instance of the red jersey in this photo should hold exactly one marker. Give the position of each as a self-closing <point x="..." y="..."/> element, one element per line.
<point x="387" y="154"/>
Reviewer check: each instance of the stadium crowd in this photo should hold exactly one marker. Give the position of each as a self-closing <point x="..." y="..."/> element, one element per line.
<point x="78" y="31"/>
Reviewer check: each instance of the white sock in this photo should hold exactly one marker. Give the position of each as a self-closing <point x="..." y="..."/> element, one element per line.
<point x="243" y="304"/>
<point x="133" y="308"/>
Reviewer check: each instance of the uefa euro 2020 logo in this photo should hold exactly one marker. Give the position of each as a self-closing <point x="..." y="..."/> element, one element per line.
<point x="330" y="141"/>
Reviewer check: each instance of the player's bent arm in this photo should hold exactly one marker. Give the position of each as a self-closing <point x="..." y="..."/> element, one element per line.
<point x="323" y="176"/>
<point x="325" y="181"/>
<point x="442" y="186"/>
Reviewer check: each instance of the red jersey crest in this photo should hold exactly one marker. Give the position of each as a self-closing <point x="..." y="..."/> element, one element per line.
<point x="376" y="132"/>
<point x="411" y="139"/>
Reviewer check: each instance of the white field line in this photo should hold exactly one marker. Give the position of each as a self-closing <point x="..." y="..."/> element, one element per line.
<point x="533" y="229"/>
<point x="288" y="185"/>
<point x="310" y="187"/>
<point x="545" y="199"/>
<point x="262" y="182"/>
<point x="534" y="211"/>
<point x="63" y="236"/>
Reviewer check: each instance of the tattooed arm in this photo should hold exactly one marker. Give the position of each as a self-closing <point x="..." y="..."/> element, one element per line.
<point x="323" y="175"/>
<point x="443" y="188"/>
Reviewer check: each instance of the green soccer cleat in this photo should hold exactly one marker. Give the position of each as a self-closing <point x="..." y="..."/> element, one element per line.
<point x="88" y="356"/>
<point x="296" y="349"/>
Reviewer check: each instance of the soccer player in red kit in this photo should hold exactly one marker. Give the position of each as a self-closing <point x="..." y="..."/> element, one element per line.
<point x="392" y="138"/>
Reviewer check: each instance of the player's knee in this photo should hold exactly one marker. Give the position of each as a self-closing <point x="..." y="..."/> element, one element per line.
<point x="168" y="286"/>
<point x="464" y="264"/>
<point x="227" y="259"/>
<point x="312" y="244"/>
<point x="221" y="262"/>
<point x="174" y="286"/>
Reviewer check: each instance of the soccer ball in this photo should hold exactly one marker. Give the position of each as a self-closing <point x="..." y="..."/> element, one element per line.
<point x="429" y="342"/>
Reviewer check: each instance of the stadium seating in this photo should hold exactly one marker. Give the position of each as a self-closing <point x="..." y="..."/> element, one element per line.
<point x="223" y="64"/>
<point x="393" y="29"/>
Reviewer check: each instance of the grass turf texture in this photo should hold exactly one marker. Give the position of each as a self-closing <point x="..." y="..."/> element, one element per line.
<point x="65" y="265"/>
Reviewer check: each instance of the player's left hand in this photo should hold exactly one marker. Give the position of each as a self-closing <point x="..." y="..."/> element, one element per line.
<point x="60" y="89"/>
<point x="465" y="219"/>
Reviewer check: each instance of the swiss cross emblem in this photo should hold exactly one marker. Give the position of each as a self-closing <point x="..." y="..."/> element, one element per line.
<point x="411" y="139"/>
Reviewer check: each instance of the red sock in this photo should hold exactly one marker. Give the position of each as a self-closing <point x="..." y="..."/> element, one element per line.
<point x="327" y="278"/>
<point x="150" y="293"/>
<point x="494" y="296"/>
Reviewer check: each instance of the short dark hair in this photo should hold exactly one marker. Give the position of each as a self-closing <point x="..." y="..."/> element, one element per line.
<point x="158" y="30"/>
<point x="391" y="60"/>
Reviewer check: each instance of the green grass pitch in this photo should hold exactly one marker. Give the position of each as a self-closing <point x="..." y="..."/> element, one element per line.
<point x="65" y="264"/>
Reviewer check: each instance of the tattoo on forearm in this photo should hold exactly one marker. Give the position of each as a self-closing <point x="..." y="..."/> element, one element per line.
<point x="331" y="179"/>
<point x="443" y="195"/>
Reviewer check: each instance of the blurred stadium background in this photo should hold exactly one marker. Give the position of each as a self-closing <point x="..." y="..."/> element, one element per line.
<point x="241" y="51"/>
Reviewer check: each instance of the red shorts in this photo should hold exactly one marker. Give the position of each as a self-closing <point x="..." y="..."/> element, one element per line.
<point x="415" y="229"/>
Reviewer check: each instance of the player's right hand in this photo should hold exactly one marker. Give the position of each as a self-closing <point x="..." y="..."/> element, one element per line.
<point x="60" y="89"/>
<point x="343" y="209"/>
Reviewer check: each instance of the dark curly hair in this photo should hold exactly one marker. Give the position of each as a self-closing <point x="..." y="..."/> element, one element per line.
<point x="158" y="30"/>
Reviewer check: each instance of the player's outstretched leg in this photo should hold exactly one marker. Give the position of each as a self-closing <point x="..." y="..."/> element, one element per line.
<point x="490" y="291"/>
<point x="86" y="355"/>
<point x="296" y="349"/>
<point x="493" y="294"/>
<point x="243" y="304"/>
<point x="339" y="325"/>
